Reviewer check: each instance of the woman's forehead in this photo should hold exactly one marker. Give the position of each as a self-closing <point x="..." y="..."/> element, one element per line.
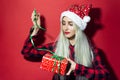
<point x="66" y="19"/>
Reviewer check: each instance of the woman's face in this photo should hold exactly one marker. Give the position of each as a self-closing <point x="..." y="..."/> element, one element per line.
<point x="68" y="27"/>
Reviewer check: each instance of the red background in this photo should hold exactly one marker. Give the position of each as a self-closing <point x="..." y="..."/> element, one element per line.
<point x="15" y="23"/>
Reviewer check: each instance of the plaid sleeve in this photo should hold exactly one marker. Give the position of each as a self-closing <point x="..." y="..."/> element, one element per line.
<point x="97" y="72"/>
<point x="30" y="51"/>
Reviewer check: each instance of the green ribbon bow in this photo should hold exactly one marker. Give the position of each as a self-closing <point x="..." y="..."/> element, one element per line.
<point x="57" y="57"/>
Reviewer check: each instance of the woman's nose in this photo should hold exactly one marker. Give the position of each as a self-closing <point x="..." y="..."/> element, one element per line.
<point x="66" y="27"/>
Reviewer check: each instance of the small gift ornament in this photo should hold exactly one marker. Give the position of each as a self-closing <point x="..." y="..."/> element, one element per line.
<point x="54" y="63"/>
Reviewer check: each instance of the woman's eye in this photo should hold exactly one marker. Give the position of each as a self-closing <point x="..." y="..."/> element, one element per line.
<point x="63" y="23"/>
<point x="71" y="24"/>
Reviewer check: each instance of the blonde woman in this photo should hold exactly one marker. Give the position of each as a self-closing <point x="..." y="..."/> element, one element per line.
<point x="71" y="44"/>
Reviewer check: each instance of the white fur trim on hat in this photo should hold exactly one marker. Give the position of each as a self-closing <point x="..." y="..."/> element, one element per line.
<point x="82" y="23"/>
<point x="86" y="19"/>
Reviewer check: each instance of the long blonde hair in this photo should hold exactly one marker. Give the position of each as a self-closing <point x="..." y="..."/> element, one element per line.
<point x="83" y="52"/>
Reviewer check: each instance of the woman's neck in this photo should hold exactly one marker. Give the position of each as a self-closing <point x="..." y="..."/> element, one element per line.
<point x="72" y="42"/>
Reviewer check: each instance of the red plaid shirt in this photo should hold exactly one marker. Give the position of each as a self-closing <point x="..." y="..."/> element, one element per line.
<point x="97" y="72"/>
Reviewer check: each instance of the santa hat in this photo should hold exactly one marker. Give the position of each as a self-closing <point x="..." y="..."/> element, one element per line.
<point x="78" y="14"/>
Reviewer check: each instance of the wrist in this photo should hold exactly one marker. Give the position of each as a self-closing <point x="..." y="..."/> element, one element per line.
<point x="35" y="31"/>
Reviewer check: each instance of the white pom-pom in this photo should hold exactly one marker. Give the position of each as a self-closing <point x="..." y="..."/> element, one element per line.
<point x="86" y="19"/>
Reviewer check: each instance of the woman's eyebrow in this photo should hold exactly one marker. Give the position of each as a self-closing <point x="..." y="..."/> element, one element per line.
<point x="70" y="21"/>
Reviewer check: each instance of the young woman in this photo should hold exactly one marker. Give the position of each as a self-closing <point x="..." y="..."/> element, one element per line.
<point x="71" y="44"/>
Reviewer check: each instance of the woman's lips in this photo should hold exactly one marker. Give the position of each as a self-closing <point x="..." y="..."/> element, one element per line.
<point x="66" y="32"/>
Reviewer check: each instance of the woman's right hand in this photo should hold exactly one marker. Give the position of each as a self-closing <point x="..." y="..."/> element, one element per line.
<point x="36" y="22"/>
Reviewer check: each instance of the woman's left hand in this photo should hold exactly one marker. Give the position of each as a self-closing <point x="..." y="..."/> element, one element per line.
<point x="72" y="67"/>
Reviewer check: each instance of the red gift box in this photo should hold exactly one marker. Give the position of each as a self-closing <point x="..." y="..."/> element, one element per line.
<point x="53" y="64"/>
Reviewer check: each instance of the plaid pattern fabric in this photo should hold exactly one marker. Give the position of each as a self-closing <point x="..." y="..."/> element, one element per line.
<point x="30" y="51"/>
<point x="97" y="72"/>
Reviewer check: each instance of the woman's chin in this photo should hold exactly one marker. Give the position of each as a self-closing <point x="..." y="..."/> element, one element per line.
<point x="70" y="37"/>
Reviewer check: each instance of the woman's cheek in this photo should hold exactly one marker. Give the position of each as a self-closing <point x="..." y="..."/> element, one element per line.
<point x="71" y="28"/>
